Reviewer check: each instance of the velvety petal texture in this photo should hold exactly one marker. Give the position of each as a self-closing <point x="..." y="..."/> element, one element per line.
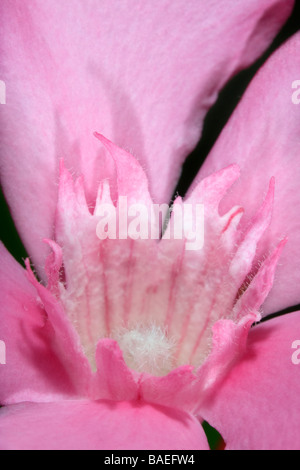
<point x="263" y="138"/>
<point x="128" y="342"/>
<point x="101" y="425"/>
<point x="32" y="372"/>
<point x="258" y="405"/>
<point x="153" y="316"/>
<point x="140" y="322"/>
<point x="142" y="73"/>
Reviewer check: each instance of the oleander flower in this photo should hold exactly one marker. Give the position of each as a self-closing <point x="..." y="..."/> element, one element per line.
<point x="131" y="342"/>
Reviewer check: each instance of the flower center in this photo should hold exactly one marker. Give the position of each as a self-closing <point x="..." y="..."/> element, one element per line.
<point x="147" y="349"/>
<point x="112" y="283"/>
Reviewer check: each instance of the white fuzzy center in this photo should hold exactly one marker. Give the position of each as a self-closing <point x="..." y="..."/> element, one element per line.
<point x="147" y="350"/>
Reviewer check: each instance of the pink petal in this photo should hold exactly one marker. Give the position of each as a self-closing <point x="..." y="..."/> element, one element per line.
<point x="85" y="425"/>
<point x="184" y="388"/>
<point x="260" y="286"/>
<point x="65" y="341"/>
<point x="258" y="405"/>
<point x="262" y="137"/>
<point x="142" y="74"/>
<point x="32" y="370"/>
<point x="114" y="380"/>
<point x="131" y="179"/>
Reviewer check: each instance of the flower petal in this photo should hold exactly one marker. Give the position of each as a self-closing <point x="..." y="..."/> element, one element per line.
<point x="184" y="388"/>
<point x="105" y="425"/>
<point x="262" y="137"/>
<point x="143" y="74"/>
<point x="258" y="405"/>
<point x="32" y="370"/>
<point x="114" y="380"/>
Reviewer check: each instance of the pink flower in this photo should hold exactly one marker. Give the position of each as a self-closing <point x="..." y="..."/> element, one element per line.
<point x="128" y="344"/>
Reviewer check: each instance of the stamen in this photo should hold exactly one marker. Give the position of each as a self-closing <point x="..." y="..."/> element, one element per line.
<point x="147" y="349"/>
